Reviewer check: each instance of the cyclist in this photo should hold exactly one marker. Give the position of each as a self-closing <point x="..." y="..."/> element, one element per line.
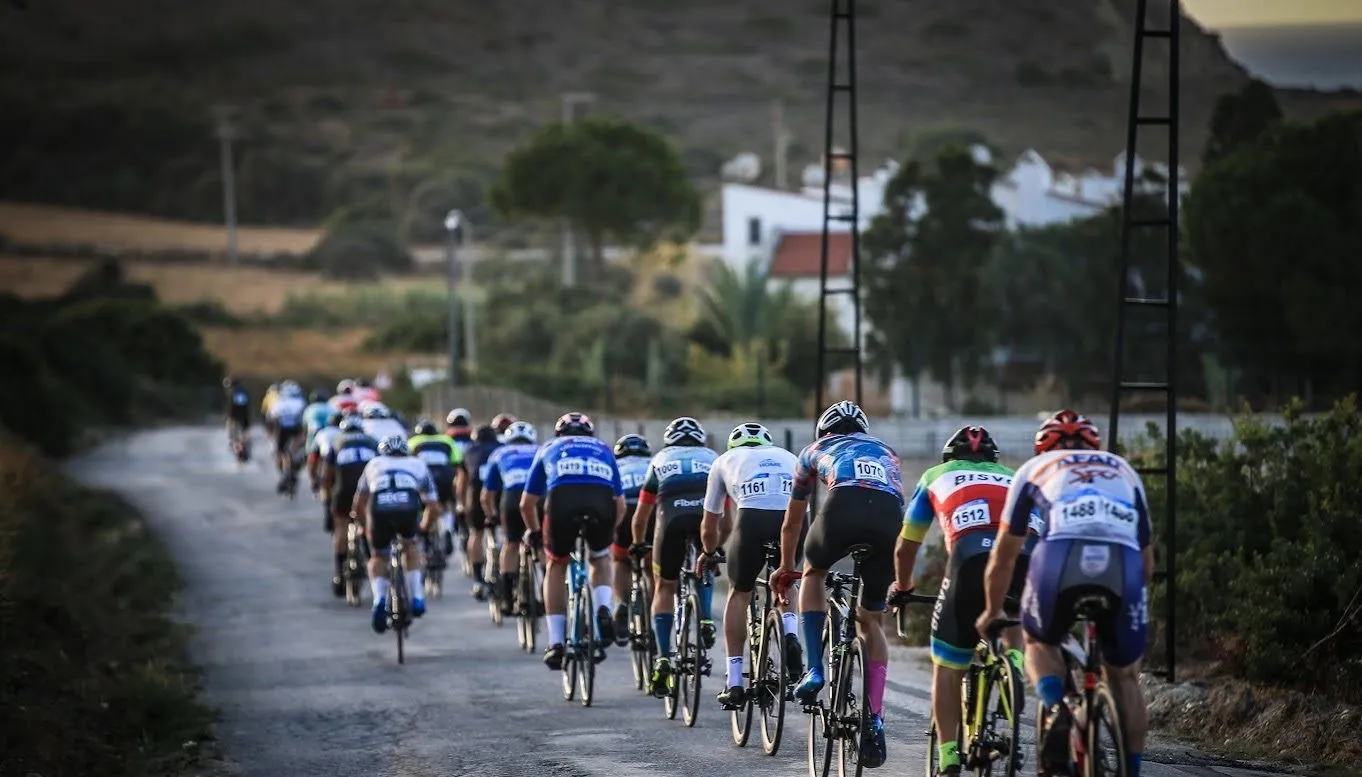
<point x="632" y="455"/>
<point x="317" y="448"/>
<point x="470" y="475"/>
<point x="676" y="481"/>
<point x="365" y="391"/>
<point x="379" y="422"/>
<point x="965" y="494"/>
<point x="315" y="418"/>
<point x="863" y="505"/>
<point x="343" y="464"/>
<point x="266" y="402"/>
<point x="756" y="477"/>
<point x="502" y="421"/>
<point x="345" y="401"/>
<point x="459" y="427"/>
<point x="576" y="476"/>
<point x="1096" y="538"/>
<point x="238" y="408"/>
<point x="442" y="457"/>
<point x="286" y="415"/>
<point x="507" y="470"/>
<point x="393" y="489"/>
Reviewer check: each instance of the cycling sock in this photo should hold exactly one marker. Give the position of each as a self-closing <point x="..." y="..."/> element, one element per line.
<point x="414" y="585"/>
<point x="447" y="521"/>
<point x="1135" y="760"/>
<point x="557" y="628"/>
<point x="508" y="580"/>
<point x="340" y="565"/>
<point x="791" y="622"/>
<point x="948" y="754"/>
<point x="477" y="571"/>
<point x="706" y="595"/>
<point x="811" y="625"/>
<point x="1050" y="688"/>
<point x="734" y="671"/>
<point x="604" y="596"/>
<point x="1015" y="656"/>
<point x="380" y="587"/>
<point x="875" y="678"/>
<point x="662" y="627"/>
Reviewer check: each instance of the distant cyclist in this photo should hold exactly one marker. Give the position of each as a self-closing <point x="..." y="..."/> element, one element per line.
<point x="502" y="421"/>
<point x="398" y="496"/>
<point x="343" y="464"/>
<point x="365" y="391"/>
<point x="1096" y="539"/>
<point x="315" y="418"/>
<point x="508" y="469"/>
<point x="633" y="456"/>
<point x="757" y="478"/>
<point x="238" y="408"/>
<point x="317" y="449"/>
<point x="575" y="475"/>
<point x="676" y="482"/>
<point x="379" y="422"/>
<point x="468" y="486"/>
<point x="864" y="505"/>
<point x="459" y="427"/>
<point x="440" y="454"/>
<point x="266" y="402"/>
<point x="344" y="401"/>
<point x="965" y="495"/>
<point x="286" y="416"/>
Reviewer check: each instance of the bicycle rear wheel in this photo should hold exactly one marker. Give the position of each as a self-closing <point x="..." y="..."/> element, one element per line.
<point x="998" y="742"/>
<point x="851" y="709"/>
<point x="492" y="575"/>
<point x="397" y="608"/>
<point x="692" y="662"/>
<point x="570" y="665"/>
<point x="1106" y="740"/>
<point x="740" y="720"/>
<point x="586" y="644"/>
<point x="528" y="600"/>
<point x="641" y="644"/>
<point x="670" y="701"/>
<point x="768" y="682"/>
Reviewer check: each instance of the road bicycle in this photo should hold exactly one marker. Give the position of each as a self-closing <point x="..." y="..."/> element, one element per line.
<point x="692" y="657"/>
<point x="767" y="681"/>
<point x="642" y="643"/>
<point x="491" y="548"/>
<point x="528" y="607"/>
<point x="583" y="649"/>
<point x="992" y="693"/>
<point x="356" y="571"/>
<point x="399" y="602"/>
<point x="239" y="442"/>
<point x="435" y="563"/>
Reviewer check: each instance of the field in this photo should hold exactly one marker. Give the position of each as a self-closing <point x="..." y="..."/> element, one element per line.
<point x="299" y="352"/>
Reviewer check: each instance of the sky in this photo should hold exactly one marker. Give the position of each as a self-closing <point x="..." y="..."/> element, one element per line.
<point x="1219" y="14"/>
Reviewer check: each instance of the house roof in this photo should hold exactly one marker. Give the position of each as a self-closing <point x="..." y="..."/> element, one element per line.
<point x="800" y="254"/>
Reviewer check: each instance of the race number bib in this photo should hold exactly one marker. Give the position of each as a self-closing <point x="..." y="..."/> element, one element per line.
<point x="753" y="488"/>
<point x="599" y="469"/>
<point x="1090" y="509"/>
<point x="871" y="470"/>
<point x="353" y="455"/>
<point x="632" y="480"/>
<point x="588" y="467"/>
<point x="435" y="458"/>
<point x="971" y="515"/>
<point x="571" y="467"/>
<point x="394" y="500"/>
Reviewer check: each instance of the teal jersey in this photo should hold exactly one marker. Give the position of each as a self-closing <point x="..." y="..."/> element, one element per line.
<point x="315" y="416"/>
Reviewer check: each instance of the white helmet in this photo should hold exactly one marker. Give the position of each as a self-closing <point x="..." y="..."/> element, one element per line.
<point x="520" y="430"/>
<point x="684" y="429"/>
<point x="375" y="410"/>
<point x="845" y="417"/>
<point x="345" y="386"/>
<point x="459" y="417"/>
<point x="290" y="388"/>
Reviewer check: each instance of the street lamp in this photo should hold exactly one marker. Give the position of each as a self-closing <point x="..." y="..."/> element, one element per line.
<point x="460" y="232"/>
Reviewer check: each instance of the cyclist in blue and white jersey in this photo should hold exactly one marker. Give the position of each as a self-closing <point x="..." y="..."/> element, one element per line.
<point x="286" y="418"/>
<point x="342" y="465"/>
<point x="676" y="483"/>
<point x="470" y="474"/>
<point x="863" y="505"/>
<point x="576" y="477"/>
<point x="633" y="456"/>
<point x="508" y="469"/>
<point x="1096" y="540"/>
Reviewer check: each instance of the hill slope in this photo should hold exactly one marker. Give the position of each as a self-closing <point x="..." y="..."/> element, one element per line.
<point x="355" y="101"/>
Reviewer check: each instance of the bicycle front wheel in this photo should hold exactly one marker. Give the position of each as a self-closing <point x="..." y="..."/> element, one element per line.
<point x="769" y="683"/>
<point x="999" y="735"/>
<point x="819" y="739"/>
<point x="570" y="667"/>
<point x="740" y="720"/>
<point x="851" y="709"/>
<point x="1107" y="754"/>
<point x="397" y="609"/>
<point x="642" y="646"/>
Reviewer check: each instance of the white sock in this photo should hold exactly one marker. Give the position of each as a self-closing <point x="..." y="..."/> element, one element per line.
<point x="734" y="671"/>
<point x="604" y="596"/>
<point x="379" y="585"/>
<point x="414" y="585"/>
<point x="557" y="628"/>
<point x="791" y="622"/>
<point x="447" y="521"/>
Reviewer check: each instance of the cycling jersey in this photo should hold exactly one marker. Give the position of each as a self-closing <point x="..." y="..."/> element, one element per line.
<point x="839" y="460"/>
<point x="508" y="468"/>
<point x="397" y="484"/>
<point x="321" y="444"/>
<point x="347" y="459"/>
<point x="678" y="469"/>
<point x="476" y="462"/>
<point x="437" y="451"/>
<point x="238" y="398"/>
<point x="287" y="412"/>
<point x="633" y="474"/>
<point x="367" y="394"/>
<point x="315" y="417"/>
<point x="1081" y="495"/>
<point x="573" y="460"/>
<point x="754" y="478"/>
<point x="344" y="403"/>
<point x="267" y="401"/>
<point x="382" y="428"/>
<point x="967" y="498"/>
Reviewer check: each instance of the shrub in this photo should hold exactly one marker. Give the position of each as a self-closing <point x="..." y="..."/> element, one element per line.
<point x="1030" y="73"/>
<point x="154" y="341"/>
<point x="365" y="249"/>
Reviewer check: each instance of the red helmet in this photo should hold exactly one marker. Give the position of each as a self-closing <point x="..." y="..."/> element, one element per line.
<point x="502" y="421"/>
<point x="574" y="424"/>
<point x="1067" y="429"/>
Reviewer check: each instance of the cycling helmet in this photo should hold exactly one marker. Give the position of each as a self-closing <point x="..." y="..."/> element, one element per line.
<point x="345" y="386"/>
<point x="273" y="389"/>
<point x="971" y="443"/>
<point x="317" y="396"/>
<point x="424" y="426"/>
<point x="845" y="417"/>
<point x="395" y="445"/>
<point x="684" y="431"/>
<point x="352" y="423"/>
<point x="485" y="433"/>
<point x="376" y="410"/>
<point x="290" y="388"/>
<point x="520" y="431"/>
<point x="502" y="421"/>
<point x="749" y="434"/>
<point x="459" y="417"/>
<point x="571" y="424"/>
<point x="632" y="445"/>
<point x="1067" y="429"/>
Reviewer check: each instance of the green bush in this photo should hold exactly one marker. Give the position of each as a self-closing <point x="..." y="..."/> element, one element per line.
<point x="35" y="405"/>
<point x="1268" y="579"/>
<point x="365" y="249"/>
<point x="153" y="340"/>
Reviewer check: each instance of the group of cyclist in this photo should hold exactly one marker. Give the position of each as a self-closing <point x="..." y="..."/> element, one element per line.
<point x="1071" y="523"/>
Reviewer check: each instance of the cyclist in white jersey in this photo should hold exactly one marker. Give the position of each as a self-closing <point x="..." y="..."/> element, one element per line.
<point x="1096" y="541"/>
<point x="756" y="478"/>
<point x="379" y="422"/>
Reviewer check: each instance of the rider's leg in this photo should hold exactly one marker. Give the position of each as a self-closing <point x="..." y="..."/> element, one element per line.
<point x="1125" y="685"/>
<point x="555" y="599"/>
<point x="411" y="557"/>
<point x="340" y="540"/>
<point x="735" y="632"/>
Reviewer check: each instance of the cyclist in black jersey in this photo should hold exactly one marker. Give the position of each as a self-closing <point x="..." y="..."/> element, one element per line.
<point x="341" y="470"/>
<point x="471" y="474"/>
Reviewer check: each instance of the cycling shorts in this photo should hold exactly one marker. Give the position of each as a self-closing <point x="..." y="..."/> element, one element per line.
<point x="239" y="415"/>
<point x="854" y="515"/>
<point x="384" y="526"/>
<point x="477" y="517"/>
<point x="959" y="604"/>
<point x="511" y="523"/>
<point x="746" y="550"/>
<point x="444" y="486"/>
<point x="285" y="435"/>
<point x="564" y="510"/>
<point x="1063" y="571"/>
<point x="624" y="531"/>
<point x="678" y="522"/>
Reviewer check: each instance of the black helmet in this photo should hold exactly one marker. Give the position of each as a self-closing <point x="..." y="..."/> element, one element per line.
<point x="971" y="443"/>
<point x="317" y="395"/>
<point x="684" y="431"/>
<point x="424" y="426"/>
<point x="486" y="433"/>
<point x="632" y="445"/>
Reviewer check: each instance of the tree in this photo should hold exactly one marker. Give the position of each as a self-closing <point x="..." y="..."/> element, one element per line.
<point x="927" y="253"/>
<point x="1274" y="227"/>
<point x="1241" y="117"/>
<point x="608" y="178"/>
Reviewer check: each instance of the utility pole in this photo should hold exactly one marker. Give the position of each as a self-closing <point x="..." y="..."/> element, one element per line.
<point x="569" y="103"/>
<point x="782" y="139"/>
<point x="226" y="133"/>
<point x="452" y="324"/>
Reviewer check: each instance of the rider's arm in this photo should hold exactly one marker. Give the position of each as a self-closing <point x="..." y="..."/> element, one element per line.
<point x="1145" y="532"/>
<point x="917" y="519"/>
<point x="1021" y="501"/>
<point x="647" y="497"/>
<point x="805" y="480"/>
<point x="715" y="495"/>
<point x="536" y="484"/>
<point x="431" y="497"/>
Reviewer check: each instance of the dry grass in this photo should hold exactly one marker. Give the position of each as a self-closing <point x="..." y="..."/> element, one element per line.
<point x="296" y="352"/>
<point x="55" y="225"/>
<point x="242" y="290"/>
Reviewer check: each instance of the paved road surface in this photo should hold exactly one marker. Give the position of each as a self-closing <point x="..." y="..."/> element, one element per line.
<point x="305" y="688"/>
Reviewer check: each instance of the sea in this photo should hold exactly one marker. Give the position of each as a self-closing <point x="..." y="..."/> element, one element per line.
<point x="1325" y="57"/>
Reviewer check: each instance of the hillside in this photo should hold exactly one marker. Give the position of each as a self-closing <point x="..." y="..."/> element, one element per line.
<point x="408" y="105"/>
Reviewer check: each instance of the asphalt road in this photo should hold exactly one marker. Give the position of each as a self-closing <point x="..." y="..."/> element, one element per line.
<point x="305" y="688"/>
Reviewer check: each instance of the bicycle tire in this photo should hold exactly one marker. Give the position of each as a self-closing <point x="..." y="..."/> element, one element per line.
<point x="694" y="670"/>
<point x="570" y="667"/>
<point x="851" y="707"/>
<point x="642" y="645"/>
<point x="1000" y="755"/>
<point x="396" y="604"/>
<point x="671" y="699"/>
<point x="1105" y="712"/>
<point x="586" y="645"/>
<point x="817" y="746"/>
<point x="529" y="620"/>
<point x="740" y="720"/>
<point x="492" y="575"/>
<point x="770" y="685"/>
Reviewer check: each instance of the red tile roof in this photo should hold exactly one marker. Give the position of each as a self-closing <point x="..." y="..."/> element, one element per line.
<point x="799" y="255"/>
